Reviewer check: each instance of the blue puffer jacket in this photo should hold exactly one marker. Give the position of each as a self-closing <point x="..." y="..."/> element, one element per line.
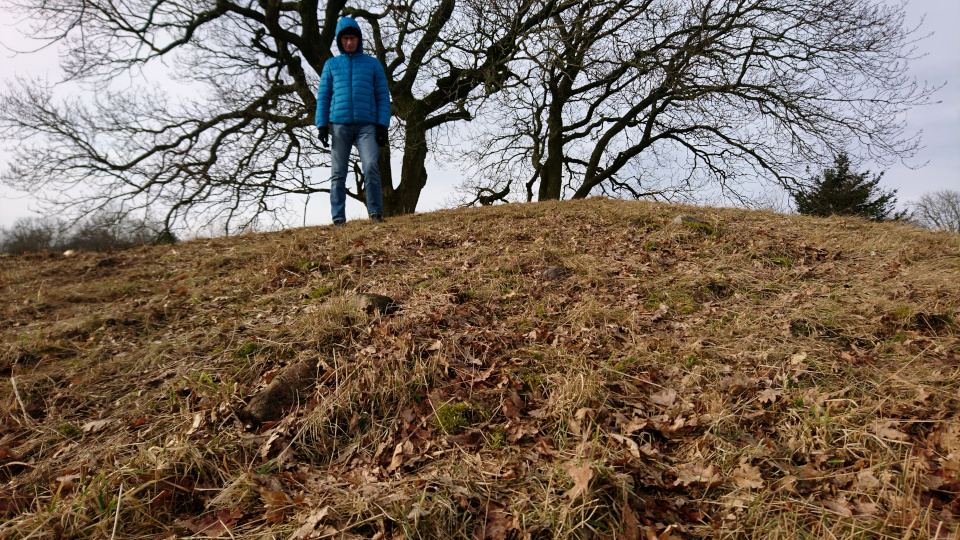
<point x="353" y="87"/>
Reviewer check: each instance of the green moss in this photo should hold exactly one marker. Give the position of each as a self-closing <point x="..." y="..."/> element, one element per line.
<point x="701" y="228"/>
<point x="321" y="292"/>
<point x="452" y="418"/>
<point x="653" y="301"/>
<point x="532" y="380"/>
<point x="524" y="326"/>
<point x="785" y="262"/>
<point x="248" y="349"/>
<point x="69" y="430"/>
<point x="305" y="267"/>
<point x="903" y="313"/>
<point x="495" y="438"/>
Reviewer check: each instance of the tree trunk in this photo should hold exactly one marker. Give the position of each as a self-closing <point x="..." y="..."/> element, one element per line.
<point x="551" y="176"/>
<point x="413" y="173"/>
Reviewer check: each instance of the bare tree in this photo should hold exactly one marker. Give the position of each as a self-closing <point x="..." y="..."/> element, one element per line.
<point x="656" y="98"/>
<point x="30" y="235"/>
<point x="104" y="230"/>
<point x="238" y="139"/>
<point x="939" y="210"/>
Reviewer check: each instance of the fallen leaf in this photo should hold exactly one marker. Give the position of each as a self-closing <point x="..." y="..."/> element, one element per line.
<point x="404" y="448"/>
<point x="276" y="503"/>
<point x="96" y="425"/>
<point x="932" y="482"/>
<point x="841" y="508"/>
<point x="310" y="523"/>
<point x="808" y="471"/>
<point x="275" y="498"/>
<point x="581" y="480"/>
<point x="769" y="395"/>
<point x="886" y="431"/>
<point x="866" y="481"/>
<point x="496" y="524"/>
<point x="665" y="398"/>
<point x="632" y="445"/>
<point x="648" y="450"/>
<point x="786" y="484"/>
<point x="197" y="420"/>
<point x="747" y="477"/>
<point x="667" y="534"/>
<point x="631" y="526"/>
<point x="950" y="463"/>
<point x="696" y="474"/>
<point x="866" y="509"/>
<point x="417" y="512"/>
<point x="634" y="425"/>
<point x="660" y="312"/>
<point x="212" y="526"/>
<point x="512" y="405"/>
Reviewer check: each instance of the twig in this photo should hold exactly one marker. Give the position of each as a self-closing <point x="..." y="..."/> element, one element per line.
<point x="116" y="515"/>
<point x="16" y="392"/>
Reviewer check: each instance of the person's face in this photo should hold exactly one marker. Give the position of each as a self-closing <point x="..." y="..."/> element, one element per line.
<point x="349" y="43"/>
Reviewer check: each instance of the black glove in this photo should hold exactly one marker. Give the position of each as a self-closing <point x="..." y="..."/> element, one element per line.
<point x="324" y="136"/>
<point x="382" y="138"/>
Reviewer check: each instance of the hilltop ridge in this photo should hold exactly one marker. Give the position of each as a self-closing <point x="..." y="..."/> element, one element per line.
<point x="579" y="369"/>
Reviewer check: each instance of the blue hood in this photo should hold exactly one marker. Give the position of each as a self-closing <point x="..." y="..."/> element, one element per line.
<point x="348" y="22"/>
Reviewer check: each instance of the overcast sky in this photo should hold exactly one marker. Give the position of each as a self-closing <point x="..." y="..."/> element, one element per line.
<point x="940" y="122"/>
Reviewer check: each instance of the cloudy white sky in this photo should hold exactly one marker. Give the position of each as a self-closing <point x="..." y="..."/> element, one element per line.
<point x="938" y="160"/>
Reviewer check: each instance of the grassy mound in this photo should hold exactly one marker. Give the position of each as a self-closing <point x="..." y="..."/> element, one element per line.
<point x="586" y="369"/>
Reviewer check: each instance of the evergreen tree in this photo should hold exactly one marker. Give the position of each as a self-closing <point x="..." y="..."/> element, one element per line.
<point x="840" y="191"/>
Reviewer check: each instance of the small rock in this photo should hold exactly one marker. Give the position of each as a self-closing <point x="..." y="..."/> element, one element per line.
<point x="375" y="303"/>
<point x="555" y="273"/>
<point x="69" y="253"/>
<point x="282" y="394"/>
<point x="680" y="220"/>
<point x="695" y="224"/>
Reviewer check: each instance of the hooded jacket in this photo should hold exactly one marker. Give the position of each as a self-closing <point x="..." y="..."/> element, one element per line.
<point x="353" y="87"/>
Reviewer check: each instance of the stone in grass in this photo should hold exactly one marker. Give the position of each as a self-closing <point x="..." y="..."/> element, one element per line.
<point x="555" y="273"/>
<point x="374" y="303"/>
<point x="694" y="223"/>
<point x="282" y="394"/>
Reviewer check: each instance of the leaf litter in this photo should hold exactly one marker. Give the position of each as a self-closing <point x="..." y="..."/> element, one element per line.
<point x="562" y="370"/>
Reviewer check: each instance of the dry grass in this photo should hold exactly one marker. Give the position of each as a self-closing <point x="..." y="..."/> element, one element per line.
<point x="783" y="377"/>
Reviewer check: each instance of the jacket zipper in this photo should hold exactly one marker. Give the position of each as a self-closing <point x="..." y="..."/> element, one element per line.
<point x="352" y="112"/>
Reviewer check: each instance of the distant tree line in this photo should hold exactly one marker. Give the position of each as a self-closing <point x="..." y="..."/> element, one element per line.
<point x="105" y="231"/>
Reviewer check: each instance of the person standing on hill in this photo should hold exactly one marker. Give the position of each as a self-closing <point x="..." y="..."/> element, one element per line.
<point x="353" y="107"/>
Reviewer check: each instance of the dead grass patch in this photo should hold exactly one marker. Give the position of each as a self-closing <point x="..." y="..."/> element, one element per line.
<point x="785" y="377"/>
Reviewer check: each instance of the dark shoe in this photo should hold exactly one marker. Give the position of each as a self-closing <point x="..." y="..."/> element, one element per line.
<point x="339" y="224"/>
<point x="376" y="218"/>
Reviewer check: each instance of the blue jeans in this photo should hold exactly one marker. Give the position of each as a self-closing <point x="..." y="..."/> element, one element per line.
<point x="342" y="138"/>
